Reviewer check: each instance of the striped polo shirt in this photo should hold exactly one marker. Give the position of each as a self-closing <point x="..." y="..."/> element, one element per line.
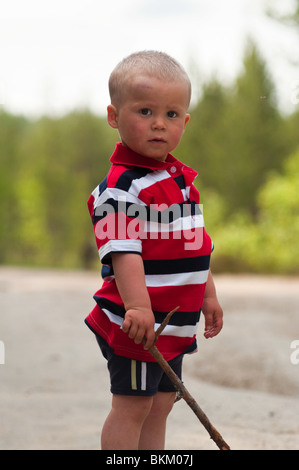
<point x="151" y="208"/>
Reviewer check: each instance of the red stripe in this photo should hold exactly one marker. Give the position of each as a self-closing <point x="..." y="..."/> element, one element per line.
<point x="188" y="298"/>
<point x="172" y="248"/>
<point x="90" y="203"/>
<point x="163" y="299"/>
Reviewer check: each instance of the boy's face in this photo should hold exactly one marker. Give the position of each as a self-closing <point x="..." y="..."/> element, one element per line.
<point x="152" y="116"/>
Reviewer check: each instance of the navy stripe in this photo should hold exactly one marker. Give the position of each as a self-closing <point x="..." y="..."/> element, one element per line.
<point x="169" y="215"/>
<point x="103" y="185"/>
<point x="180" y="181"/>
<point x="107" y="270"/>
<point x="109" y="305"/>
<point x="180" y="265"/>
<point x="177" y="319"/>
<point x="168" y="266"/>
<point x="175" y="212"/>
<point x="107" y="207"/>
<point x="125" y="180"/>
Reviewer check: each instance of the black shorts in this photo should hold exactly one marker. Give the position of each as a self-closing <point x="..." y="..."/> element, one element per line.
<point x="132" y="377"/>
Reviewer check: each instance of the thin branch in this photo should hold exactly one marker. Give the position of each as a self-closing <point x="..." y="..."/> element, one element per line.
<point x="214" y="434"/>
<point x="165" y="323"/>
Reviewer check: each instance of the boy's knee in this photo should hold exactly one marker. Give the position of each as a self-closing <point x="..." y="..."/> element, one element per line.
<point x="163" y="403"/>
<point x="143" y="406"/>
<point x="131" y="407"/>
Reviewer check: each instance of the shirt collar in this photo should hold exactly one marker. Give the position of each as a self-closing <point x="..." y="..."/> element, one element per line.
<point x="123" y="155"/>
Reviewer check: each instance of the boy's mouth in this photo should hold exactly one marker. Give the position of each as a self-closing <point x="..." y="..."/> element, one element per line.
<point x="158" y="140"/>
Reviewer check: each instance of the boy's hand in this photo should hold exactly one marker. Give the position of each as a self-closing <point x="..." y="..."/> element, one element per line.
<point x="139" y="323"/>
<point x="139" y="319"/>
<point x="213" y="317"/>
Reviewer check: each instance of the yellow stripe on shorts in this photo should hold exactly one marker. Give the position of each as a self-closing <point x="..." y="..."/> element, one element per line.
<point x="133" y="375"/>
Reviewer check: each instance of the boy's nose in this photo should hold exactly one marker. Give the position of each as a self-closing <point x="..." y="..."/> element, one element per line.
<point x="158" y="123"/>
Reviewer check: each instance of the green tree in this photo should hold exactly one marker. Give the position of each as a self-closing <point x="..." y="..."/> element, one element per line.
<point x="259" y="144"/>
<point x="203" y="145"/>
<point x="269" y="244"/>
<point x="12" y="129"/>
<point x="236" y="134"/>
<point x="61" y="161"/>
<point x="279" y="218"/>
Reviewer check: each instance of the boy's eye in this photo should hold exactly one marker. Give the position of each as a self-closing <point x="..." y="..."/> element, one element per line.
<point x="171" y="114"/>
<point x="145" y="112"/>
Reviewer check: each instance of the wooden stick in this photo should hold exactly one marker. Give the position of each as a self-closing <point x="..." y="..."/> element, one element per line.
<point x="214" y="434"/>
<point x="164" y="323"/>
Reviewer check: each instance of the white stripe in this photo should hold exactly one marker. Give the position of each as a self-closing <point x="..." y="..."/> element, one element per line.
<point x="117" y="195"/>
<point x="186" y="331"/>
<point x="178" y="279"/>
<point x="181" y="224"/>
<point x="186" y="193"/>
<point x="143" y="375"/>
<point x="148" y="180"/>
<point x="95" y="193"/>
<point x="121" y="246"/>
<point x="113" y="317"/>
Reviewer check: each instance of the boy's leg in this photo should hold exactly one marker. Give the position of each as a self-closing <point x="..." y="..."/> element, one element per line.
<point x="153" y="431"/>
<point x="137" y="421"/>
<point x="123" y="425"/>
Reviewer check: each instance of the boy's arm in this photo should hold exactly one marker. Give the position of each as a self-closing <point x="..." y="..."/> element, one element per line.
<point x="130" y="280"/>
<point x="212" y="310"/>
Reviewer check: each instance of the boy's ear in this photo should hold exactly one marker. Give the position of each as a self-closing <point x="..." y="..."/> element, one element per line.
<point x="112" y="116"/>
<point x="187" y="119"/>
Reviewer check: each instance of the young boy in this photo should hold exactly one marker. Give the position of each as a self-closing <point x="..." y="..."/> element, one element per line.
<point x="154" y="250"/>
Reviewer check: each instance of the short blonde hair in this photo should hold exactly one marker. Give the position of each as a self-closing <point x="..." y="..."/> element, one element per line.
<point x="151" y="63"/>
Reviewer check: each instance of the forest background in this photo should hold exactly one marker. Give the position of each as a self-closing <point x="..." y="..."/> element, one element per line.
<point x="245" y="149"/>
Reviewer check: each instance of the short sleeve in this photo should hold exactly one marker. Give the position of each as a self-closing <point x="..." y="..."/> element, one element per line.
<point x="115" y="231"/>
